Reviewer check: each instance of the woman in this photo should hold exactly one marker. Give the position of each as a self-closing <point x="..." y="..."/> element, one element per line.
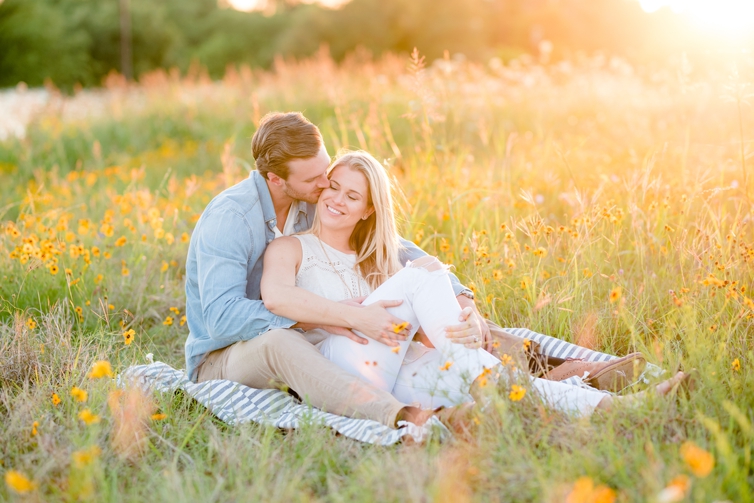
<point x="352" y="251"/>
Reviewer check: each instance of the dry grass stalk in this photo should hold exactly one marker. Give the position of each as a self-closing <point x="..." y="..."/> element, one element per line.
<point x="130" y="409"/>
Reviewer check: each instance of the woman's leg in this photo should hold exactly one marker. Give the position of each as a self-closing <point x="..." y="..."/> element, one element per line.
<point x="429" y="302"/>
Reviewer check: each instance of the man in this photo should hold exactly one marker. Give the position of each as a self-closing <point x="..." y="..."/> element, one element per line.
<point x="232" y="335"/>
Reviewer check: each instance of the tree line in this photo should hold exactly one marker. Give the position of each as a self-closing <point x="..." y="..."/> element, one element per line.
<point x="79" y="41"/>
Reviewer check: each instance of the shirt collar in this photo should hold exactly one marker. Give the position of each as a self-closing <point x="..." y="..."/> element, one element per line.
<point x="265" y="199"/>
<point x="268" y="209"/>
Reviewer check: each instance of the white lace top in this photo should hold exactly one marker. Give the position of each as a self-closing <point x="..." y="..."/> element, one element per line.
<point x="317" y="274"/>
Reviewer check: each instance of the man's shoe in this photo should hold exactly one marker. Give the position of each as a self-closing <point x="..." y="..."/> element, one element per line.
<point x="614" y="375"/>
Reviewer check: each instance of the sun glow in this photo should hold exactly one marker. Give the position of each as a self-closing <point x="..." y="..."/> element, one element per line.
<point x="726" y="18"/>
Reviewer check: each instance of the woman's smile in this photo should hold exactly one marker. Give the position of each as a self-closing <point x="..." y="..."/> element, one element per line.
<point x="333" y="210"/>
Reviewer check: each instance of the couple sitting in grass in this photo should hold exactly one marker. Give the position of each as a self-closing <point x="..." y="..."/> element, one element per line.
<point x="297" y="278"/>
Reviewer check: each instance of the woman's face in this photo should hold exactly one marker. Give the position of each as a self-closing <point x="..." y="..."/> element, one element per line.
<point x="345" y="201"/>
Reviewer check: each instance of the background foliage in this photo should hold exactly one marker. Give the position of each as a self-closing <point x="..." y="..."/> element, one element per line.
<point x="78" y="41"/>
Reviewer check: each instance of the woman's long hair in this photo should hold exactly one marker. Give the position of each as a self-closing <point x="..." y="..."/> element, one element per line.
<point x="376" y="238"/>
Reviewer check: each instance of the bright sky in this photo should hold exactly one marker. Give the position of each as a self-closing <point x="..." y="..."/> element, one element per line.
<point x="726" y="18"/>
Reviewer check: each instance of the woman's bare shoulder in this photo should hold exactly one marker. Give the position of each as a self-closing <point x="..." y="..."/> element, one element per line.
<point x="286" y="245"/>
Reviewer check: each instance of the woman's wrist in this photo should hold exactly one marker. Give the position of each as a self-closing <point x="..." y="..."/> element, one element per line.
<point x="350" y="316"/>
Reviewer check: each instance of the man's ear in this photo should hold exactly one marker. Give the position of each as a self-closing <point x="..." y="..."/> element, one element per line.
<point x="275" y="179"/>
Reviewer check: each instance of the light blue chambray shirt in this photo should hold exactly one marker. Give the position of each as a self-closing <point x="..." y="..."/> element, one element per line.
<point x="224" y="268"/>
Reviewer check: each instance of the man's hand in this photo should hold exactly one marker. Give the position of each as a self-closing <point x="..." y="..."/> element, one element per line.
<point x="474" y="326"/>
<point x="377" y="323"/>
<point x="345" y="332"/>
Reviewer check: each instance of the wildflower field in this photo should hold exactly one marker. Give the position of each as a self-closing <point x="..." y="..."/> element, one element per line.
<point x="589" y="200"/>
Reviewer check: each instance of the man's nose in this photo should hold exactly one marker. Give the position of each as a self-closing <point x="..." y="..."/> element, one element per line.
<point x="323" y="181"/>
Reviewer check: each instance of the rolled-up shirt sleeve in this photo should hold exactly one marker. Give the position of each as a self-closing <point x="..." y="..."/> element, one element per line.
<point x="412" y="252"/>
<point x="222" y="275"/>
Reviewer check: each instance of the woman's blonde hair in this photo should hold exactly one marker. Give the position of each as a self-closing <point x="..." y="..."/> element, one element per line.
<point x="375" y="239"/>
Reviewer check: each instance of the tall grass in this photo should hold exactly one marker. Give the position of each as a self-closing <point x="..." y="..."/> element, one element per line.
<point x="586" y="200"/>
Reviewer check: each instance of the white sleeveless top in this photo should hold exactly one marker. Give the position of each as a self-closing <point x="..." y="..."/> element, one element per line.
<point x="326" y="271"/>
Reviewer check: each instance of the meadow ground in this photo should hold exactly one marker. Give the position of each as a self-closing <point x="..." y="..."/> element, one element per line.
<point x="588" y="200"/>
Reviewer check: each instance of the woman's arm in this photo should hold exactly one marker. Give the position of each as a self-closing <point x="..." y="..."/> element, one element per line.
<point x="281" y="295"/>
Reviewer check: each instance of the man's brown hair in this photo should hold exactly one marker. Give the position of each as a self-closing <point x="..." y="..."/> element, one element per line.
<point x="282" y="137"/>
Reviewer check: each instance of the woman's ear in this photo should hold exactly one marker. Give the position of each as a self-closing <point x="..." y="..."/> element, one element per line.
<point x="368" y="213"/>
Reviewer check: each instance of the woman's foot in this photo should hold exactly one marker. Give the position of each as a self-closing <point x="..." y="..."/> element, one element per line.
<point x="662" y="389"/>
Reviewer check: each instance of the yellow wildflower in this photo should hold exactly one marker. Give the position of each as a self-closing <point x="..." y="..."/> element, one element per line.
<point x="55" y="399"/>
<point x="736" y="365"/>
<point x="164" y="266"/>
<point x="79" y="394"/>
<point x="159" y="416"/>
<point x="676" y="490"/>
<point x="584" y="491"/>
<point x="497" y="274"/>
<point x="183" y="320"/>
<point x="100" y="369"/>
<point x="128" y="336"/>
<point x="400" y="327"/>
<point x="31" y="324"/>
<point x="121" y="241"/>
<point x="18" y="482"/>
<point x="34" y="426"/>
<point x="124" y="271"/>
<point x="175" y="310"/>
<point x="540" y="252"/>
<point x="699" y="461"/>
<point x="53" y="269"/>
<point x="88" y="417"/>
<point x="168" y="321"/>
<point x="85" y="457"/>
<point x="447" y="366"/>
<point x="185" y="237"/>
<point x="615" y="294"/>
<point x="517" y="393"/>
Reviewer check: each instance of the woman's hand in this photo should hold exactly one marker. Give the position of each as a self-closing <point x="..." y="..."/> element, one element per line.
<point x="469" y="333"/>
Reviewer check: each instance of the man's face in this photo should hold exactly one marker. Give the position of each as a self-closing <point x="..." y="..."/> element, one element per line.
<point x="307" y="177"/>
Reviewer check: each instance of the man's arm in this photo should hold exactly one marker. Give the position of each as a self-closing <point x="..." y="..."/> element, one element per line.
<point x="413" y="252"/>
<point x="223" y="248"/>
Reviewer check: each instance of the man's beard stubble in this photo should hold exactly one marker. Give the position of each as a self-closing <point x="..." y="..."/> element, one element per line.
<point x="310" y="198"/>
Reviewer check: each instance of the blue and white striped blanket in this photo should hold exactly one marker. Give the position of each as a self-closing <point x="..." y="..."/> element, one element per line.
<point x="235" y="403"/>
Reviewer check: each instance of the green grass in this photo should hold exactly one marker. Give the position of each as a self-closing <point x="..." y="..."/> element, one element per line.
<point x="548" y="188"/>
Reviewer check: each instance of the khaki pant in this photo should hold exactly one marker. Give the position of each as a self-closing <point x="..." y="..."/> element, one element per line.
<point x="285" y="357"/>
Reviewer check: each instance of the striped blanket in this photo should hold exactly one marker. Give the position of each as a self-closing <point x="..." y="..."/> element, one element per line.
<point x="235" y="403"/>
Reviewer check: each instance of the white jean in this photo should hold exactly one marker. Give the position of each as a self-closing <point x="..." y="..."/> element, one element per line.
<point x="436" y="377"/>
